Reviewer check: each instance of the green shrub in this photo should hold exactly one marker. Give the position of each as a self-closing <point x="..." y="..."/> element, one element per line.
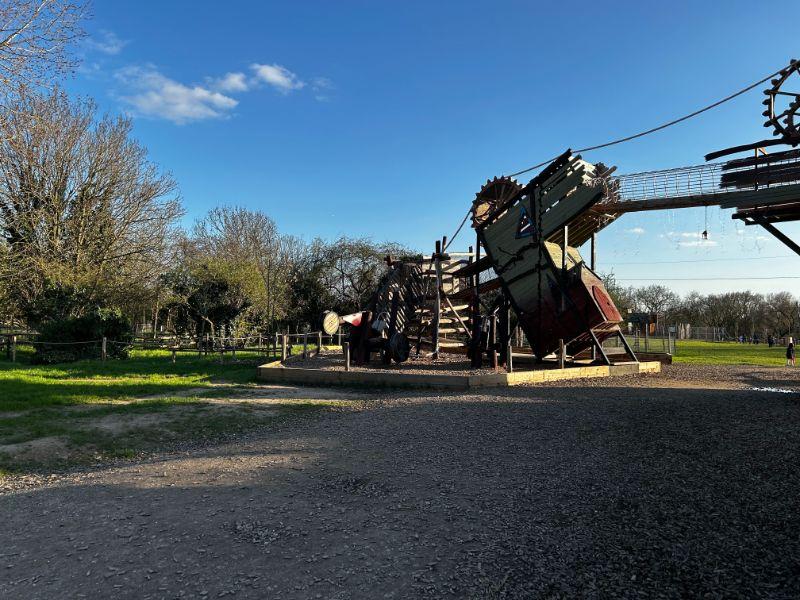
<point x="76" y="338"/>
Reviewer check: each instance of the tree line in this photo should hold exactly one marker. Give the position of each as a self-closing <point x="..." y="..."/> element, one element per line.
<point x="88" y="223"/>
<point x="739" y="313"/>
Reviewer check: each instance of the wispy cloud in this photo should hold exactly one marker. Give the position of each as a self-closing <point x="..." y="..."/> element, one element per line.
<point x="150" y="93"/>
<point x="231" y="82"/>
<point x="635" y="231"/>
<point x="701" y="243"/>
<point x="277" y="76"/>
<point x="155" y="95"/>
<point x="106" y="42"/>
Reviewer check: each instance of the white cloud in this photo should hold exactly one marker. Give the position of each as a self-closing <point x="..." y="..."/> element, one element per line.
<point x="281" y="78"/>
<point x="107" y="43"/>
<point x="156" y="95"/>
<point x="231" y="82"/>
<point x="635" y="231"/>
<point x="701" y="243"/>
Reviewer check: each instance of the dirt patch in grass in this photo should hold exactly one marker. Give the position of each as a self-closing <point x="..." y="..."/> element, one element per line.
<point x="46" y="449"/>
<point x="54" y="438"/>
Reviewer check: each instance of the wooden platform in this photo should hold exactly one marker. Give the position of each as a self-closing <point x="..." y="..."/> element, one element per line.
<point x="276" y="372"/>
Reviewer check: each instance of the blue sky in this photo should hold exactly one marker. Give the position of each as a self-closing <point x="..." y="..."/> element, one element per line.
<point x="384" y="118"/>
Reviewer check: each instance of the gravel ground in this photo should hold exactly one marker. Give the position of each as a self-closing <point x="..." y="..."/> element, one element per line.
<point x="683" y="484"/>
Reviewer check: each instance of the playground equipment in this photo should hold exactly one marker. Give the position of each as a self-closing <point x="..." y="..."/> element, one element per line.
<point x="531" y="233"/>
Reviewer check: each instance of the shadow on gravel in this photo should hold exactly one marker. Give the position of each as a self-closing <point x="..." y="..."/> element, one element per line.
<point x="520" y="493"/>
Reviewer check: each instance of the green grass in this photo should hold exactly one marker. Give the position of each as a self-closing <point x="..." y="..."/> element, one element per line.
<point x="728" y="353"/>
<point x="145" y="373"/>
<point x="68" y="402"/>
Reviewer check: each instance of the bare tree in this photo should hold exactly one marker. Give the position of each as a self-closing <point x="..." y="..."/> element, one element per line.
<point x="82" y="210"/>
<point x="35" y="36"/>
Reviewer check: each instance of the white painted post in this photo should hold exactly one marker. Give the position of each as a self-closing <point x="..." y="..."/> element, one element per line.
<point x="285" y="341"/>
<point x="103" y="349"/>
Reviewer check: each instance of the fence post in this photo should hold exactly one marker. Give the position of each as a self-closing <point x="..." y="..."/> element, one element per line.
<point x="305" y="346"/>
<point x="283" y="347"/>
<point x="319" y="343"/>
<point x="510" y="358"/>
<point x="174" y="351"/>
<point x="346" y="349"/>
<point x="13" y="348"/>
<point x="103" y="349"/>
<point x="233" y="348"/>
<point x="561" y="357"/>
<point x="259" y="344"/>
<point x="646" y="338"/>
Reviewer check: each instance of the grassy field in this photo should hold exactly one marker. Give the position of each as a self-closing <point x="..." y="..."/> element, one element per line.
<point x="728" y="353"/>
<point x="58" y="415"/>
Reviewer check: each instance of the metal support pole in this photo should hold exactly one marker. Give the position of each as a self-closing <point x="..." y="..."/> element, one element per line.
<point x="346" y="350"/>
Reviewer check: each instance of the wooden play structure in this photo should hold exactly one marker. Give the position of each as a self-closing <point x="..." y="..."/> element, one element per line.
<point x="525" y="273"/>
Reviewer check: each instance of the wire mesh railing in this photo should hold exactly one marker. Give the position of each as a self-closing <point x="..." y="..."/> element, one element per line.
<point x="739" y="175"/>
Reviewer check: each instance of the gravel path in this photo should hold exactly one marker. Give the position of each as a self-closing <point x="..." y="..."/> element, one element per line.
<point x="646" y="487"/>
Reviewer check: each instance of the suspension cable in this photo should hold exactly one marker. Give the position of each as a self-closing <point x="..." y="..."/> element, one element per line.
<point x="636" y="136"/>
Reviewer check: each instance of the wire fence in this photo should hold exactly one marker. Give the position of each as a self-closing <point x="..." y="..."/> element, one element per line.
<point x="265" y="344"/>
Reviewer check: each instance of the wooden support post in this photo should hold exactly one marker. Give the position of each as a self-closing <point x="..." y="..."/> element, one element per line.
<point x="493" y="341"/>
<point x="437" y="307"/>
<point x="305" y="346"/>
<point x="103" y="349"/>
<point x="564" y="269"/>
<point x="233" y="348"/>
<point x="593" y="264"/>
<point x="476" y="357"/>
<point x="510" y="358"/>
<point x="284" y="341"/>
<point x="561" y="353"/>
<point x="259" y="345"/>
<point x="319" y="343"/>
<point x="14" y="348"/>
<point x="275" y="344"/>
<point x="346" y="350"/>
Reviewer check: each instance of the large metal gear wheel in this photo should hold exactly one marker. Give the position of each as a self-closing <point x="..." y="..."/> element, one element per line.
<point x="496" y="192"/>
<point x="783" y="104"/>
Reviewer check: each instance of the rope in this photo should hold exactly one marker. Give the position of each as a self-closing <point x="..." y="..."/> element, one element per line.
<point x="663" y="126"/>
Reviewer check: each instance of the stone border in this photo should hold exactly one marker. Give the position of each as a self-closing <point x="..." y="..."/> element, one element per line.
<point x="276" y="372"/>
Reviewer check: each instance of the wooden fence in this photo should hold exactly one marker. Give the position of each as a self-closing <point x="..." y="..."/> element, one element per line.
<point x="267" y="344"/>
